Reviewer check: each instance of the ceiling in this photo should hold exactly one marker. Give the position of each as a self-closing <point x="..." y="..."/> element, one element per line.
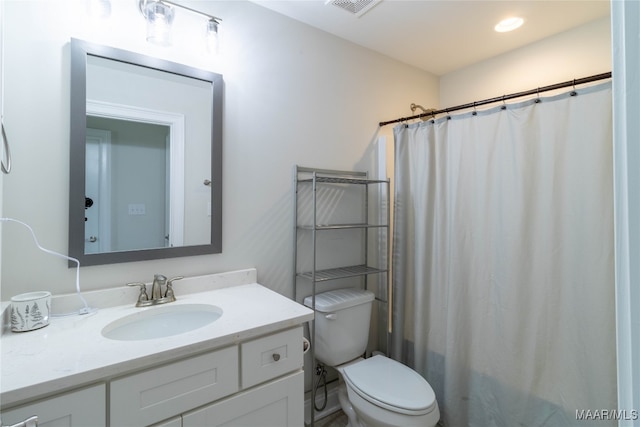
<point x="440" y="36"/>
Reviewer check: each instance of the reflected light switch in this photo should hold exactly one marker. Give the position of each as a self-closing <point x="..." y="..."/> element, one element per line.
<point x="137" y="209"/>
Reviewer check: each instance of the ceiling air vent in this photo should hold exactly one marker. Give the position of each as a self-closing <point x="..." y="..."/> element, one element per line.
<point x="355" y="7"/>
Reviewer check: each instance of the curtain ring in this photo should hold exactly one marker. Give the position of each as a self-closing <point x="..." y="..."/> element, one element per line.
<point x="6" y="169"/>
<point x="475" y="112"/>
<point x="573" y="92"/>
<point x="504" y="104"/>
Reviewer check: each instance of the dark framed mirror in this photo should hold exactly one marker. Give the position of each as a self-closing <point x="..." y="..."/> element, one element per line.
<point x="145" y="157"/>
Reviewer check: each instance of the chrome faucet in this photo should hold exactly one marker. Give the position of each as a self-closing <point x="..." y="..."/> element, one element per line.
<point x="156" y="289"/>
<point x="157" y="296"/>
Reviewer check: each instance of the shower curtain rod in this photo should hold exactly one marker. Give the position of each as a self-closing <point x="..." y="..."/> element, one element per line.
<point x="569" y="83"/>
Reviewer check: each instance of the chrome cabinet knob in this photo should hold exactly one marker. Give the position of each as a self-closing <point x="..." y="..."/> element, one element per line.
<point x="276" y="357"/>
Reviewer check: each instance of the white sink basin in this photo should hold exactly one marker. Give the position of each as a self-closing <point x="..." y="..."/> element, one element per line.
<point x="163" y="321"/>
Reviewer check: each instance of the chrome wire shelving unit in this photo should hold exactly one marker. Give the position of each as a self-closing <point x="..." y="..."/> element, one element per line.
<point x="313" y="218"/>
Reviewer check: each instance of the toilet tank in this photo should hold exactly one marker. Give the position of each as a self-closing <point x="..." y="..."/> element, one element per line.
<point x="342" y="324"/>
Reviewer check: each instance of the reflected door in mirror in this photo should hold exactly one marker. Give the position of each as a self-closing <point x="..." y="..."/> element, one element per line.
<point x="127" y="177"/>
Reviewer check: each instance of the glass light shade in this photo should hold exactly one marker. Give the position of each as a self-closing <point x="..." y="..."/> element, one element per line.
<point x="212" y="36"/>
<point x="159" y="19"/>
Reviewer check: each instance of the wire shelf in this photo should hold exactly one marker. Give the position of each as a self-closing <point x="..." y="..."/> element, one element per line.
<point x="341" y="180"/>
<point x="341" y="273"/>
<point x="334" y="180"/>
<point x="341" y="226"/>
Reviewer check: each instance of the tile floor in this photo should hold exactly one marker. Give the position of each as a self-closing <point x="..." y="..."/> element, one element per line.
<point x="337" y="419"/>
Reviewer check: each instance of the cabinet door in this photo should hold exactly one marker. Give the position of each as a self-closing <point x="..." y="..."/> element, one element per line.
<point x="276" y="404"/>
<point x="81" y="408"/>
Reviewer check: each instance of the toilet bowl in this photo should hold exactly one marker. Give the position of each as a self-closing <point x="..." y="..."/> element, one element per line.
<point x="386" y="393"/>
<point x="378" y="391"/>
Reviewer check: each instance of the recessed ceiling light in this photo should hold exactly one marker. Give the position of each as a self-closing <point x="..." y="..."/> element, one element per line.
<point x="509" y="24"/>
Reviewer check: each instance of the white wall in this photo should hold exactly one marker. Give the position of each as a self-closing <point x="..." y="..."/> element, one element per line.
<point x="581" y="52"/>
<point x="293" y="95"/>
<point x="626" y="136"/>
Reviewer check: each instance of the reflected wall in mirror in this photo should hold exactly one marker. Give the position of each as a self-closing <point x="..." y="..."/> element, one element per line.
<point x="146" y="157"/>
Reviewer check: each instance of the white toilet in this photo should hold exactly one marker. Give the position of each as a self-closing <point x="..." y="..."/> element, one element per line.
<point x="379" y="391"/>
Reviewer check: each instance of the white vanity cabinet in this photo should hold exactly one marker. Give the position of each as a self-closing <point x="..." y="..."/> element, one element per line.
<point x="244" y="369"/>
<point x="272" y="382"/>
<point x="259" y="382"/>
<point x="85" y="407"/>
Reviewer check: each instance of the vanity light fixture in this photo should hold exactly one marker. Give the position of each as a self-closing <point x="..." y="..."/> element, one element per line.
<point x="509" y="24"/>
<point x="159" y="15"/>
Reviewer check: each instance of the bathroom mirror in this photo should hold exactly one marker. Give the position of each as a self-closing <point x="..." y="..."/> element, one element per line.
<point x="145" y="157"/>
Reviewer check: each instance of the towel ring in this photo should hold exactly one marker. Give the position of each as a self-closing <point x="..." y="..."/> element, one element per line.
<point x="6" y="169"/>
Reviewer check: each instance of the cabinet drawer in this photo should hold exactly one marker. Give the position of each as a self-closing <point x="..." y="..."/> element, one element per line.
<point x="157" y="394"/>
<point x="82" y="408"/>
<point x="271" y="356"/>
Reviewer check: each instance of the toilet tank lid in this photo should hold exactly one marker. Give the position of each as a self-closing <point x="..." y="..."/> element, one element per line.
<point x="339" y="299"/>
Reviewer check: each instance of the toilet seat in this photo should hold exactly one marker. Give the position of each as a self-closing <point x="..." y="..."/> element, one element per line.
<point x="390" y="385"/>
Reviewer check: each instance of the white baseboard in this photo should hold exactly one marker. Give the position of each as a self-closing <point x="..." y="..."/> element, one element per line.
<point x="333" y="405"/>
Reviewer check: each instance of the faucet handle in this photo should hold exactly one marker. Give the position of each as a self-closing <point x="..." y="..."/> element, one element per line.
<point x="143" y="291"/>
<point x="169" y="293"/>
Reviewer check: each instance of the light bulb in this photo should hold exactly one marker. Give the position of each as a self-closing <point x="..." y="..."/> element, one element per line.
<point x="509" y="24"/>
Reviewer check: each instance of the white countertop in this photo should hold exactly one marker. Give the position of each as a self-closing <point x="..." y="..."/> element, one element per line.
<point x="71" y="351"/>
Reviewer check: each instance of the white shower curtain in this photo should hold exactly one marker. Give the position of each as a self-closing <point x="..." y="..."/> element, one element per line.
<point x="503" y="277"/>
